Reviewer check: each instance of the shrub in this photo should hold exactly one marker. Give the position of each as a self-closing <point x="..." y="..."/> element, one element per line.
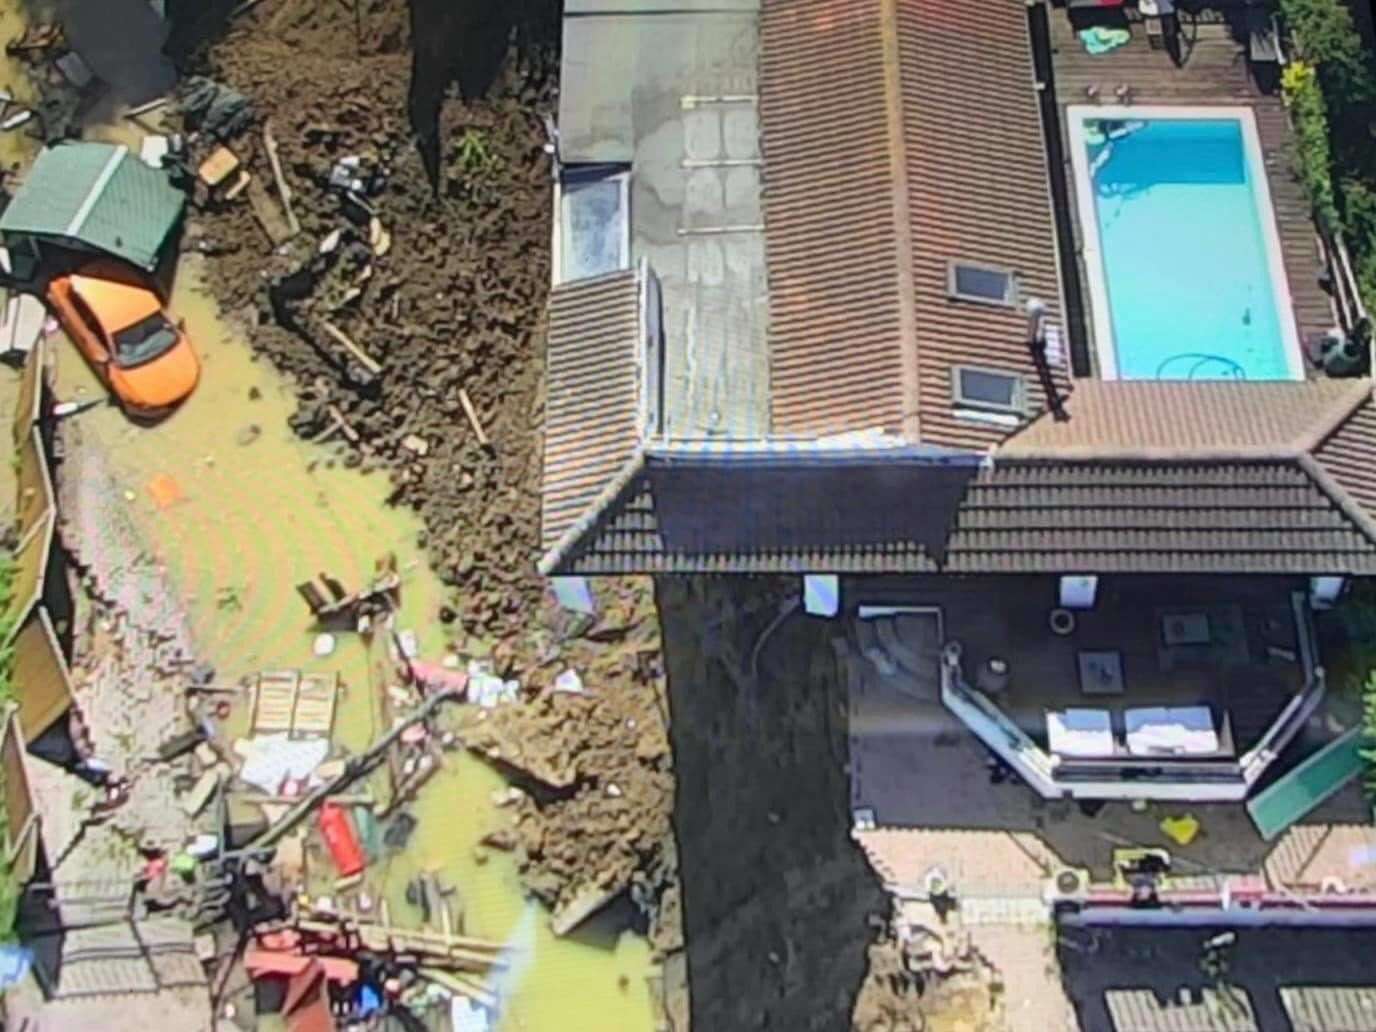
<point x="1314" y="156"/>
<point x="1328" y="39"/>
<point x="1359" y="216"/>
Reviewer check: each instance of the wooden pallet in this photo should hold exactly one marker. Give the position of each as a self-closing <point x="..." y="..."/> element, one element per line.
<point x="274" y="704"/>
<point x="315" y="705"/>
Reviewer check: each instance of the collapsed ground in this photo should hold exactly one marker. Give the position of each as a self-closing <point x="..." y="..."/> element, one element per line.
<point x="444" y="289"/>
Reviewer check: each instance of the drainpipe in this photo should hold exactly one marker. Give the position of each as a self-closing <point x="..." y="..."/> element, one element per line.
<point x="1036" y="344"/>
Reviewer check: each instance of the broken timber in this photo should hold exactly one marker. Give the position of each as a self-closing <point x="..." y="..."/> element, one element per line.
<point x="472" y="414"/>
<point x="354" y="769"/>
<point x="283" y="190"/>
<point x="269" y="218"/>
<point x="370" y="364"/>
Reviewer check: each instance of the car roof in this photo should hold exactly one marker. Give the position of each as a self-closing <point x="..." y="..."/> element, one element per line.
<point x="117" y="305"/>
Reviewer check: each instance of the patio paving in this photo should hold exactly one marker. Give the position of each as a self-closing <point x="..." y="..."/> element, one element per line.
<point x="917" y="766"/>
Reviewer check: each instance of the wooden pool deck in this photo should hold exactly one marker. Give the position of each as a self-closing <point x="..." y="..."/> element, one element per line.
<point x="1215" y="72"/>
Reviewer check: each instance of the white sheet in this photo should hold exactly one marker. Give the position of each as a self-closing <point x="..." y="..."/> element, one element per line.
<point x="1079" y="732"/>
<point x="1170" y="730"/>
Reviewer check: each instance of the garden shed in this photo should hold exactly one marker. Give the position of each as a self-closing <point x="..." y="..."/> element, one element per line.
<point x="95" y="198"/>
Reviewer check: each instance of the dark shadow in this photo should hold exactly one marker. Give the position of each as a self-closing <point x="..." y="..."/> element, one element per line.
<point x="466" y="43"/>
<point x="453" y="41"/>
<point x="1164" y="960"/>
<point x="603" y="929"/>
<point x="194" y="22"/>
<point x="39" y="926"/>
<point x="122" y="42"/>
<point x="776" y="895"/>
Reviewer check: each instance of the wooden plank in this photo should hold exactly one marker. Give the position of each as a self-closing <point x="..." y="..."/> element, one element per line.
<point x="269" y="218"/>
<point x="315" y="705"/>
<point x="343" y="339"/>
<point x="472" y="414"/>
<point x="275" y="701"/>
<point x="283" y="190"/>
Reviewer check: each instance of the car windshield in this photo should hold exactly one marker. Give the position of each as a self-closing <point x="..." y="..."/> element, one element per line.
<point x="145" y="340"/>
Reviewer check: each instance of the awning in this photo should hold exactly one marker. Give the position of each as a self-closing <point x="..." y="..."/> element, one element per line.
<point x="98" y="196"/>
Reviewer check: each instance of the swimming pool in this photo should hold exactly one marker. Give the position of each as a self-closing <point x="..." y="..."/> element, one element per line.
<point x="1181" y="252"/>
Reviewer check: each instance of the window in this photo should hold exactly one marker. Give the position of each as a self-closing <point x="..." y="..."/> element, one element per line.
<point x="988" y="390"/>
<point x="594" y="226"/>
<point x="145" y="340"/>
<point x="985" y="284"/>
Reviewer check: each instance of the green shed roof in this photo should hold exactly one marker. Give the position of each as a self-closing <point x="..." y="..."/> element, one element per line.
<point x="98" y="195"/>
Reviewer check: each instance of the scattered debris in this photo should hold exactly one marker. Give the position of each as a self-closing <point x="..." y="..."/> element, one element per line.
<point x="38" y="37"/>
<point x="213" y="107"/>
<point x="283" y="190"/>
<point x="472" y="414"/>
<point x="569" y="682"/>
<point x="75" y="70"/>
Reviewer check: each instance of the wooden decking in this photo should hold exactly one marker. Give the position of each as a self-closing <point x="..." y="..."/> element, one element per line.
<point x="1215" y="71"/>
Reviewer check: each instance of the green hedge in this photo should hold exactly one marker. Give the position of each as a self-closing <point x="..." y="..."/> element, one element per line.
<point x="1341" y="175"/>
<point x="1328" y="39"/>
<point x="1314" y="155"/>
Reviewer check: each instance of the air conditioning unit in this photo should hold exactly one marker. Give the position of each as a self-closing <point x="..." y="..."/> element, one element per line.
<point x="1068" y="885"/>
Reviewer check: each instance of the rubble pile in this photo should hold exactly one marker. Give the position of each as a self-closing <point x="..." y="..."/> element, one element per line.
<point x="928" y="979"/>
<point x="443" y="293"/>
<point x="410" y="322"/>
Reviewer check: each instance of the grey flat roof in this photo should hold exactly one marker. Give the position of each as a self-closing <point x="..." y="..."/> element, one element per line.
<point x="672" y="93"/>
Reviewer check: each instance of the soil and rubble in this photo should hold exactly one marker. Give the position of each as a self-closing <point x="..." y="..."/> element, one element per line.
<point x="409" y="317"/>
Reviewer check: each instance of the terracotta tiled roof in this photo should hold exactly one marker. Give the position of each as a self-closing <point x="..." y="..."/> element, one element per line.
<point x="592" y="400"/>
<point x="931" y="152"/>
<point x="1173" y="419"/>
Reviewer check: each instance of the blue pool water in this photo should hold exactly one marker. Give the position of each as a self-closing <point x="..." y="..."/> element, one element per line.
<point x="1184" y="256"/>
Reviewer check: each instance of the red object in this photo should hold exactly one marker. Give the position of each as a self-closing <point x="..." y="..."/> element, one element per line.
<point x="341" y="839"/>
<point x="260" y="962"/>
<point x="307" y="1004"/>
<point x="435" y="677"/>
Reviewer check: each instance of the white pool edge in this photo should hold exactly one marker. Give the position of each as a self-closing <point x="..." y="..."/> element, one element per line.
<point x="1091" y="250"/>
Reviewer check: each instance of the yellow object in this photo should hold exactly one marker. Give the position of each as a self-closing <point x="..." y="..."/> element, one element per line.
<point x="1181" y="830"/>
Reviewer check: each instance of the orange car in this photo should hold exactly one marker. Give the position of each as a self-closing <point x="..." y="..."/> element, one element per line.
<point x="127" y="337"/>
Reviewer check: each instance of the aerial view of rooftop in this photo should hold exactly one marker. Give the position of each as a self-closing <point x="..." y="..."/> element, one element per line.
<point x="666" y="515"/>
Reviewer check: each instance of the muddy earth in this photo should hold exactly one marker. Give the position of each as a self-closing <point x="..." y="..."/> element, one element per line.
<point x="439" y="290"/>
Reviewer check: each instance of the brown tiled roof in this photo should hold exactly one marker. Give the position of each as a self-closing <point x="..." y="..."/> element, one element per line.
<point x="1280" y="515"/>
<point x="772" y="512"/>
<point x="1179" y="419"/>
<point x="931" y="152"/>
<point x="592" y="397"/>
<point x="839" y="297"/>
<point x="1272" y="516"/>
<point x="1348" y="454"/>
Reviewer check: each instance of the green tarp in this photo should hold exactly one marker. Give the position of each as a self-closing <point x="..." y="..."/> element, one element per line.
<point x="99" y="196"/>
<point x="1316" y="779"/>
